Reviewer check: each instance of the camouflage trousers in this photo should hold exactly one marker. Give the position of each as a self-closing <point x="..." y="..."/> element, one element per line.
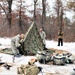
<point x="14" y="48"/>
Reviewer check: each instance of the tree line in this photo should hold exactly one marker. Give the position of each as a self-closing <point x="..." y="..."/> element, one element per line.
<point x="16" y="21"/>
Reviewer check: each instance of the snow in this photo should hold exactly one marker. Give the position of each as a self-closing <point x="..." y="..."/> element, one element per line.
<point x="5" y="42"/>
<point x="70" y="47"/>
<point x="58" y="70"/>
<point x="24" y="60"/>
<point x="18" y="61"/>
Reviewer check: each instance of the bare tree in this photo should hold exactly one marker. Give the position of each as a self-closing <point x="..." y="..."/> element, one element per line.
<point x="9" y="11"/>
<point x="59" y="11"/>
<point x="35" y="1"/>
<point x="7" y="8"/>
<point x="20" y="13"/>
<point x="43" y="13"/>
<point x="21" y="9"/>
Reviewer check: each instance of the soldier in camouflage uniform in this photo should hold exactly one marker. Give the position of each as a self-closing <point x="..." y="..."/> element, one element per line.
<point x="43" y="36"/>
<point x="60" y="38"/>
<point x="16" y="43"/>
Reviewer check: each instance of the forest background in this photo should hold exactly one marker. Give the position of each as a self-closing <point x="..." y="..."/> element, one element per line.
<point x="17" y="15"/>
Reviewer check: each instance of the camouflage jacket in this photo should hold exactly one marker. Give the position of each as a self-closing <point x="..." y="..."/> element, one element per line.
<point x="60" y="34"/>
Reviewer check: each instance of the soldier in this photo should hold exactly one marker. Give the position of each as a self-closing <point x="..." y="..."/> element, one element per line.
<point x="43" y="36"/>
<point x="16" y="42"/>
<point x="60" y="38"/>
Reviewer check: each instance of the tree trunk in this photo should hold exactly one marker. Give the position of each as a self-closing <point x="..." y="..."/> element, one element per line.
<point x="35" y="1"/>
<point x="61" y="18"/>
<point x="20" y="17"/>
<point x="43" y="13"/>
<point x="59" y="9"/>
<point x="9" y="12"/>
<point x="58" y="16"/>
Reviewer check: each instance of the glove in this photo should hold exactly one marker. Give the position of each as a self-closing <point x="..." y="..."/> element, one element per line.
<point x="21" y="41"/>
<point x="19" y="45"/>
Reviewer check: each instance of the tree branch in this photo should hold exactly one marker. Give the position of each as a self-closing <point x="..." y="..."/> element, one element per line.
<point x="3" y="10"/>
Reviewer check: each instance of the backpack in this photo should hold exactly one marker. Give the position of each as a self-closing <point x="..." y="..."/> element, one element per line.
<point x="28" y="70"/>
<point x="60" y="33"/>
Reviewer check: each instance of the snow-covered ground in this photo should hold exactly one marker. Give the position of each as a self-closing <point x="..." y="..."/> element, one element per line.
<point x="59" y="70"/>
<point x="5" y="42"/>
<point x="70" y="47"/>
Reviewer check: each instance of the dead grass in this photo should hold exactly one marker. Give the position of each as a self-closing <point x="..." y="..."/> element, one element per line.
<point x="52" y="74"/>
<point x="58" y="51"/>
<point x="0" y="49"/>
